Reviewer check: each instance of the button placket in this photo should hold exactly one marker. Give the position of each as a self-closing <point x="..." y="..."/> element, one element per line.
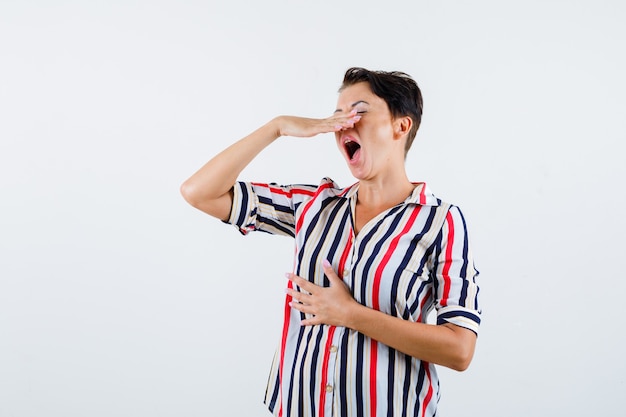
<point x="333" y="373"/>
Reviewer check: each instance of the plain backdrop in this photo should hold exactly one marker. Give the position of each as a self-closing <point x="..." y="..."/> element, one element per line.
<point x="119" y="299"/>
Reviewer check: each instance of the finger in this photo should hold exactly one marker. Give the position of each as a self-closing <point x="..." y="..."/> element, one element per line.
<point x="298" y="296"/>
<point x="349" y="123"/>
<point x="303" y="308"/>
<point x="351" y="120"/>
<point x="330" y="272"/>
<point x="311" y="322"/>
<point x="344" y="119"/>
<point x="301" y="282"/>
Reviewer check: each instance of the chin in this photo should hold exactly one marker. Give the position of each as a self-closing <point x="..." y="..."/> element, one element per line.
<point x="359" y="174"/>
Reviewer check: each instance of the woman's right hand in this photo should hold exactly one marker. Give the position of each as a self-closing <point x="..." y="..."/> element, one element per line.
<point x="209" y="189"/>
<point x="305" y="127"/>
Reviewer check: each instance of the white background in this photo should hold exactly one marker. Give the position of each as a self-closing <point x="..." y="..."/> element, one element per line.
<point x="118" y="299"/>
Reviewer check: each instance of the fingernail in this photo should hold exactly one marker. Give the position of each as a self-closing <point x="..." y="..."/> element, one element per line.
<point x="326" y="263"/>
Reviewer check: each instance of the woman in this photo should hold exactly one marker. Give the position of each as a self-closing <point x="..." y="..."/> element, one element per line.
<point x="372" y="260"/>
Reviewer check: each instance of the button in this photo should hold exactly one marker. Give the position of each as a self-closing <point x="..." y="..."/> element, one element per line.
<point x="333" y="349"/>
<point x="346" y="272"/>
<point x="329" y="388"/>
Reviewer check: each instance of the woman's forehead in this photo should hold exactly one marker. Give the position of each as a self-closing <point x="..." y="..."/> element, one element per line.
<point x="356" y="94"/>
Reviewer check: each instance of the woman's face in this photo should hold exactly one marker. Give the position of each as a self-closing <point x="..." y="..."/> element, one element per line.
<point x="368" y="147"/>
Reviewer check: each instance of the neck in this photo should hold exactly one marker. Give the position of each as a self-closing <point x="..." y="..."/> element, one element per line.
<point x="384" y="192"/>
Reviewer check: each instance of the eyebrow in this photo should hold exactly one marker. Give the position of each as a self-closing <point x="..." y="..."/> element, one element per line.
<point x="353" y="105"/>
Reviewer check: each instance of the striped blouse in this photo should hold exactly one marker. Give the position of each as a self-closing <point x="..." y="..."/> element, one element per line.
<point x="406" y="261"/>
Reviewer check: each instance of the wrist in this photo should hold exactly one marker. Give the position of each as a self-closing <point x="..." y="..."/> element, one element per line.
<point x="352" y="315"/>
<point x="277" y="126"/>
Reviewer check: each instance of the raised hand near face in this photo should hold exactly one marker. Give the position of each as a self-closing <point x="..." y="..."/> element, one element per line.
<point x="306" y="127"/>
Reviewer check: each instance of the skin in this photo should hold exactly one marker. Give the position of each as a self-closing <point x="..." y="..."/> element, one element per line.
<point x="361" y="117"/>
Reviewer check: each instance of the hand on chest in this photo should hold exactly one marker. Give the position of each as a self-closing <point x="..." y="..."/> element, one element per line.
<point x="386" y="265"/>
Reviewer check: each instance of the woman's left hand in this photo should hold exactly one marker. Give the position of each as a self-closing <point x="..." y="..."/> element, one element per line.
<point x="331" y="305"/>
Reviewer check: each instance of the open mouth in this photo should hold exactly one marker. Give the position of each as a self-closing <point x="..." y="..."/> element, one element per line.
<point x="351" y="148"/>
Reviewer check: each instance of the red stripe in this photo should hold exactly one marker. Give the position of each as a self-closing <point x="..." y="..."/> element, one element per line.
<point x="422" y="304"/>
<point x="309" y="204"/>
<point x="331" y="332"/>
<point x="392" y="247"/>
<point x="323" y="393"/>
<point x="345" y="254"/>
<point x="429" y="394"/>
<point x="448" y="262"/>
<point x="373" y="363"/>
<point x="423" y="194"/>
<point x="283" y="343"/>
<point x="288" y="298"/>
<point x="376" y="302"/>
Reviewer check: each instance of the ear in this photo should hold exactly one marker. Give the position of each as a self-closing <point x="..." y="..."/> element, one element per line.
<point x="402" y="126"/>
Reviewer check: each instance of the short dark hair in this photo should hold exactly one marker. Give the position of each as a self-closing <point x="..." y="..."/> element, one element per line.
<point x="399" y="90"/>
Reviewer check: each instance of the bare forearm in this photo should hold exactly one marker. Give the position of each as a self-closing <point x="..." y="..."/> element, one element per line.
<point x="208" y="189"/>
<point x="448" y="345"/>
